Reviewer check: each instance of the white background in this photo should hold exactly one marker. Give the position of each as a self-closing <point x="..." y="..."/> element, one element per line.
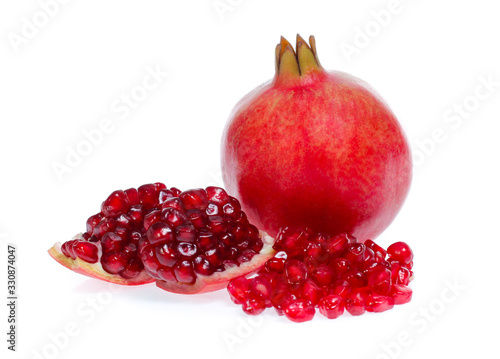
<point x="62" y="73"/>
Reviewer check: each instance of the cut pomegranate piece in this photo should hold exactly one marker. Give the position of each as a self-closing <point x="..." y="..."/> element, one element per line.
<point x="189" y="242"/>
<point x="109" y="248"/>
<point x="330" y="273"/>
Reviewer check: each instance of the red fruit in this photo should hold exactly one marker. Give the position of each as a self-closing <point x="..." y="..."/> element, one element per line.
<point x="331" y="306"/>
<point x="315" y="148"/>
<point x="299" y="310"/>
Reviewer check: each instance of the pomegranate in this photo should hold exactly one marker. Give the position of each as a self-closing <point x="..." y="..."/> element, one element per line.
<point x="331" y="273"/>
<point x="189" y="242"/>
<point x="315" y="148"/>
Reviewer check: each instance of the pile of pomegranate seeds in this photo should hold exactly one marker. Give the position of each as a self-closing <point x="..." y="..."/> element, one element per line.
<point x="200" y="232"/>
<point x="113" y="234"/>
<point x="330" y="273"/>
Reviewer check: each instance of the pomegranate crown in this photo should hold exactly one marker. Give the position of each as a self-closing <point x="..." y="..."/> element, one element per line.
<point x="302" y="61"/>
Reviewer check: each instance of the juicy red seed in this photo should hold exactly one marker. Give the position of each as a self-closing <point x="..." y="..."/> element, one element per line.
<point x="150" y="218"/>
<point x="401" y="252"/>
<point x="355" y="252"/>
<point x="311" y="292"/>
<point x="68" y="249"/>
<point x="132" y="269"/>
<point x="93" y="221"/>
<point x="148" y="195"/>
<point x="379" y="279"/>
<point x="232" y="209"/>
<point x="125" y="221"/>
<point x="212" y="209"/>
<point x="355" y="307"/>
<point x="341" y="265"/>
<point x="379" y="303"/>
<point x="106" y="225"/>
<point x="254" y="306"/>
<point x="295" y="271"/>
<point x="375" y="247"/>
<point x="331" y="306"/>
<point x="166" y="274"/>
<point x="197" y="218"/>
<point x="186" y="232"/>
<point x="299" y="311"/>
<point x="149" y="259"/>
<point x="275" y="265"/>
<point x="217" y="224"/>
<point x="183" y="271"/>
<point x="173" y="203"/>
<point x="117" y="203"/>
<point x="238" y="289"/>
<point x="355" y="278"/>
<point x="400" y="275"/>
<point x="317" y="252"/>
<point x="337" y="244"/>
<point x="194" y="199"/>
<point x="206" y="240"/>
<point x="132" y="196"/>
<point x="136" y="213"/>
<point x="114" y="262"/>
<point x="202" y="266"/>
<point x="165" y="254"/>
<point x="111" y="242"/>
<point x="260" y="287"/>
<point x="291" y="240"/>
<point x="187" y="250"/>
<point x="217" y="195"/>
<point x="173" y="217"/>
<point x="159" y="186"/>
<point x="323" y="275"/>
<point x="342" y="288"/>
<point x="160" y="232"/>
<point x="401" y="294"/>
<point x="214" y="256"/>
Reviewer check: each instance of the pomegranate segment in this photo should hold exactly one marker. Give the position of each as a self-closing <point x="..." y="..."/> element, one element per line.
<point x="108" y="250"/>
<point x="353" y="276"/>
<point x="200" y="240"/>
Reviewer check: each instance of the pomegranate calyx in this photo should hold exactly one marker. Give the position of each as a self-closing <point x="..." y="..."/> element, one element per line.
<point x="294" y="64"/>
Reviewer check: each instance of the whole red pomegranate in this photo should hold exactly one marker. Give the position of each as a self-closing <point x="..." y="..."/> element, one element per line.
<point x="316" y="148"/>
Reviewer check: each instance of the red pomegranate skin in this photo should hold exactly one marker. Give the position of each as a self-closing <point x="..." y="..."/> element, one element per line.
<point x="321" y="150"/>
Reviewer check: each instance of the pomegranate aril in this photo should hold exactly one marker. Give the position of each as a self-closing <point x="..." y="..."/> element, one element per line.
<point x="355" y="278"/>
<point x="260" y="287"/>
<point x="117" y="203"/>
<point x="111" y="242"/>
<point x="114" y="262"/>
<point x="206" y="240"/>
<point x="217" y="224"/>
<point x="400" y="274"/>
<point x="173" y="217"/>
<point x="275" y="264"/>
<point x="194" y="199"/>
<point x="93" y="221"/>
<point x="254" y="306"/>
<point x="132" y="196"/>
<point x="148" y="195"/>
<point x="291" y="240"/>
<point x="341" y="287"/>
<point x="232" y="209"/>
<point x="187" y="250"/>
<point x="186" y="232"/>
<point x="401" y="294"/>
<point x="375" y="247"/>
<point x="202" y="266"/>
<point x="183" y="271"/>
<point x="355" y="252"/>
<point x="331" y="306"/>
<point x="295" y="271"/>
<point x="379" y="303"/>
<point x="238" y="289"/>
<point x="106" y="225"/>
<point x="151" y="218"/>
<point x="132" y="269"/>
<point x="217" y="195"/>
<point x="311" y="292"/>
<point x="401" y="252"/>
<point x="336" y="245"/>
<point x="323" y="275"/>
<point x="197" y="218"/>
<point x="166" y="255"/>
<point x="160" y="232"/>
<point x="299" y="310"/>
<point x="355" y="307"/>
